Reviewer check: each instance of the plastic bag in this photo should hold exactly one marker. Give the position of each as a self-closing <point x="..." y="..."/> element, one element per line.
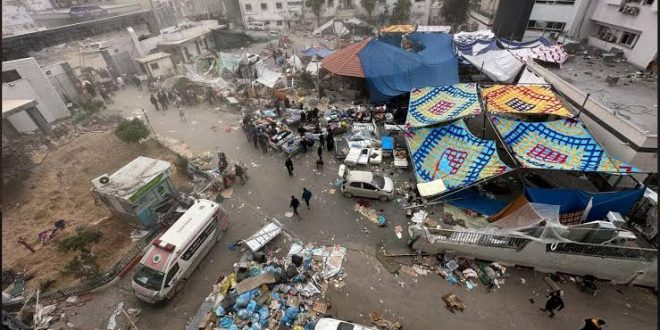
<point x="219" y="311"/>
<point x="228" y="282"/>
<point x="226" y="322"/>
<point x="243" y="314"/>
<point x="251" y="306"/>
<point x="263" y="313"/>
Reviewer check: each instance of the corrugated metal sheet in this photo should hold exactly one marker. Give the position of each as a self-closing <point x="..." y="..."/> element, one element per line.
<point x="130" y="178"/>
<point x="345" y="61"/>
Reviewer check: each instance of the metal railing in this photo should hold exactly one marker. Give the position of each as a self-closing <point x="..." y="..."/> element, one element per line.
<point x="487" y="239"/>
<point x="106" y="277"/>
<point x="603" y="251"/>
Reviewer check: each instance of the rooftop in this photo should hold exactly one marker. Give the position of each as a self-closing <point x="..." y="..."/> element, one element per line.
<point x="152" y="57"/>
<point x="10" y="107"/>
<point x="635" y="99"/>
<point x="129" y="179"/>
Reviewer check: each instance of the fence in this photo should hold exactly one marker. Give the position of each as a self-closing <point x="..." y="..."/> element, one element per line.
<point x="495" y="240"/>
<point x="604" y="251"/>
<point x="106" y="277"/>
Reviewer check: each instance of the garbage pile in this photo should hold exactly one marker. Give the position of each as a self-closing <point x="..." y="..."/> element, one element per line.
<point x="266" y="292"/>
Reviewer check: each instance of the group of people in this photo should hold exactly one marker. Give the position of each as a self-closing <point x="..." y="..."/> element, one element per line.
<point x="556" y="303"/>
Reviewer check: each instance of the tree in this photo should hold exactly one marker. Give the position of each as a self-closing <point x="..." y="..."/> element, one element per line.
<point x="455" y="12"/>
<point x="315" y="5"/>
<point x="401" y="12"/>
<point x="369" y="6"/>
<point x="132" y="131"/>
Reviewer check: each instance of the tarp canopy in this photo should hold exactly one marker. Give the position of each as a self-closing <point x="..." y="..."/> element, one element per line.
<point x="563" y="144"/>
<point x="476" y="200"/>
<point x="345" y="61"/>
<point x="432" y="105"/>
<point x="433" y="28"/>
<point x="402" y="28"/>
<point x="228" y="61"/>
<point x="469" y="37"/>
<point x="452" y="154"/>
<point x="497" y="64"/>
<point x="321" y="52"/>
<point x="392" y="71"/>
<point x="512" y="44"/>
<point x="523" y="99"/>
<point x="521" y="214"/>
<point x="266" y="76"/>
<point x="573" y="200"/>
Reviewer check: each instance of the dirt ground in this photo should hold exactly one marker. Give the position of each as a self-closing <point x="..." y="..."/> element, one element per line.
<point x="59" y="188"/>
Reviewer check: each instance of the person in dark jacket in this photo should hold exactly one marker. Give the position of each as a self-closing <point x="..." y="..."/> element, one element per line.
<point x="319" y="151"/>
<point x="554" y="302"/>
<point x="294" y="204"/>
<point x="240" y="173"/>
<point x="289" y="165"/>
<point x="154" y="101"/>
<point x="322" y="140"/>
<point x="593" y="324"/>
<point x="306" y="196"/>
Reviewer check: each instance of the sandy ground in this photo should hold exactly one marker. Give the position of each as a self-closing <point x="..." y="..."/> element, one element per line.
<point x="59" y="188"/>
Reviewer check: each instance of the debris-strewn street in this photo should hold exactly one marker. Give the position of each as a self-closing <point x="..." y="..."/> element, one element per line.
<point x="322" y="165"/>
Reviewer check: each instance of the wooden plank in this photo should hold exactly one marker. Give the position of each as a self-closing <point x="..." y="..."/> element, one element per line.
<point x="255" y="282"/>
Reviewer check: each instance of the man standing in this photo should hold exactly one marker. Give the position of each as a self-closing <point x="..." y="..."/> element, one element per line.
<point x="554" y="302"/>
<point x="264" y="142"/>
<point x="306" y="196"/>
<point x="319" y="151"/>
<point x="330" y="143"/>
<point x="289" y="165"/>
<point x="137" y="83"/>
<point x="593" y="324"/>
<point x="294" y="204"/>
<point x="240" y="173"/>
<point x="162" y="100"/>
<point x="120" y="82"/>
<point x="154" y="101"/>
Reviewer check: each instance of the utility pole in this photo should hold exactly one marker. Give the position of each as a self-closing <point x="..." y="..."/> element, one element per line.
<point x="149" y="123"/>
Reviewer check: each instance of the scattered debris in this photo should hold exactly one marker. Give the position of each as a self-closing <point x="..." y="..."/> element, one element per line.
<point x="377" y="320"/>
<point x="453" y="303"/>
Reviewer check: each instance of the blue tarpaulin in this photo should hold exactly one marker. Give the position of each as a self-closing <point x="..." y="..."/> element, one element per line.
<point x="391" y="71"/>
<point x="474" y="200"/>
<point x="572" y="200"/>
<point x="320" y="52"/>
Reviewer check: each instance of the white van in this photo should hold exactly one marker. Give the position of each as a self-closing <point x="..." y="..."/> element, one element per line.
<point x="258" y="26"/>
<point x="173" y="257"/>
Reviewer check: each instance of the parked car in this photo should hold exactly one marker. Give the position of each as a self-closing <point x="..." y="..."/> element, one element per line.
<point x="333" y="324"/>
<point x="365" y="184"/>
<point x="258" y="26"/>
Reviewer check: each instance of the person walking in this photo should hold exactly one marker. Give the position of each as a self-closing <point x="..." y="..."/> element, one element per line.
<point x="264" y="143"/>
<point x="321" y="140"/>
<point x="306" y="196"/>
<point x="162" y="100"/>
<point x="319" y="164"/>
<point x="289" y="165"/>
<point x="154" y="101"/>
<point x="294" y="204"/>
<point x="240" y="173"/>
<point x="137" y="83"/>
<point x="319" y="150"/>
<point x="554" y="302"/>
<point x="182" y="115"/>
<point x="593" y="324"/>
<point x="255" y="138"/>
<point x="330" y="141"/>
<point x="120" y="82"/>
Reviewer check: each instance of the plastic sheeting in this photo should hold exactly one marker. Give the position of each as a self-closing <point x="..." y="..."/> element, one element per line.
<point x="391" y="71"/>
<point x="266" y="76"/>
<point x="497" y="64"/>
<point x="512" y="44"/>
<point x="529" y="77"/>
<point x="321" y="52"/>
<point x="477" y="201"/>
<point x="572" y="200"/>
<point x="195" y="77"/>
<point x="563" y="144"/>
<point x="228" y="61"/>
<point x="523" y="99"/>
<point x="295" y="63"/>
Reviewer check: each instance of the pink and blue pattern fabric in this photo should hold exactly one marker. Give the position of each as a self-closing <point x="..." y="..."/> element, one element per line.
<point x="433" y="105"/>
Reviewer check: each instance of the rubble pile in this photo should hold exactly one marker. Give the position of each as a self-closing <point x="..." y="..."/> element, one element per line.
<point x="265" y="291"/>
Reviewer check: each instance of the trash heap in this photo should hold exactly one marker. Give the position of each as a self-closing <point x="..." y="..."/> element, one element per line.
<point x="265" y="292"/>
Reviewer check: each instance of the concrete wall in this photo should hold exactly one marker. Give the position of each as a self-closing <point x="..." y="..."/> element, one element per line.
<point x="20" y="90"/>
<point x="50" y="104"/>
<point x="165" y="67"/>
<point x="644" y="51"/>
<point x="553" y="12"/>
<point x="534" y="255"/>
<point x="609" y="124"/>
<point x="63" y="79"/>
<point x="16" y="20"/>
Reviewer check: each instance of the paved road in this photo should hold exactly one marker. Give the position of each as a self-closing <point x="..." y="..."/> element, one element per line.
<point x="414" y="301"/>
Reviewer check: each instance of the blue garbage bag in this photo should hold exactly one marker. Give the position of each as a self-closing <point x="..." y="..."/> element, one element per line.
<point x="243" y="314"/>
<point x="233" y="327"/>
<point x="254" y="271"/>
<point x="263" y="313"/>
<point x="291" y="314"/>
<point x="243" y="299"/>
<point x="226" y="322"/>
<point x="298" y="278"/>
<point x="251" y="306"/>
<point x="275" y="296"/>
<point x="219" y="311"/>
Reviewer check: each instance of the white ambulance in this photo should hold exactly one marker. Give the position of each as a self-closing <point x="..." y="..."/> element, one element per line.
<point x="173" y="257"/>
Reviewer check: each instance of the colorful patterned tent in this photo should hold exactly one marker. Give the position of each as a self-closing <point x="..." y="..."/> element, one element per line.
<point x="432" y="105"/>
<point x="452" y="154"/>
<point x="523" y="99"/>
<point x="563" y="144"/>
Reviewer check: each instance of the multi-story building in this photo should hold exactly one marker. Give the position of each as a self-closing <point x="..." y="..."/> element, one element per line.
<point x="629" y="25"/>
<point x="526" y="19"/>
<point x="279" y="14"/>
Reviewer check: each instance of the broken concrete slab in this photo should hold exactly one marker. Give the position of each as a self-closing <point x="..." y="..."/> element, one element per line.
<point x="255" y="282"/>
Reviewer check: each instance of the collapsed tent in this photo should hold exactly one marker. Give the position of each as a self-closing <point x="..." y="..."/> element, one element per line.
<point x="321" y="52"/>
<point x="523" y="99"/>
<point x="265" y="75"/>
<point x="521" y="214"/>
<point x="391" y="71"/>
<point x="497" y="64"/>
<point x="512" y="44"/>
<point x="432" y="105"/>
<point x="452" y="155"/>
<point x="573" y="203"/>
<point x="345" y="61"/>
<point x="228" y="61"/>
<point x="563" y="144"/>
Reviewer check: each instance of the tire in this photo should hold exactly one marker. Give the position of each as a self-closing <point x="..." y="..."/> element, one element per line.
<point x="384" y="198"/>
<point x="347" y="194"/>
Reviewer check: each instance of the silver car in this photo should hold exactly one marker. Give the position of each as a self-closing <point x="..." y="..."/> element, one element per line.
<point x="365" y="184"/>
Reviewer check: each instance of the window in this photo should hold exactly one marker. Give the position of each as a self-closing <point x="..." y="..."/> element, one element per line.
<point x="368" y="186"/>
<point x="648" y="2"/>
<point x="548" y="26"/>
<point x="356" y="185"/>
<point x="278" y="5"/>
<point x="279" y="23"/>
<point x="633" y="1"/>
<point x="266" y="22"/>
<point x="264" y="6"/>
<point x="9" y="76"/>
<point x="153" y="66"/>
<point x="628" y="38"/>
<point x="171" y="274"/>
<point x="200" y="240"/>
<point x="248" y="7"/>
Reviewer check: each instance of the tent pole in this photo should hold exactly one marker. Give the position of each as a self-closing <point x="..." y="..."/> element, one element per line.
<point x="582" y="106"/>
<point x="483" y="127"/>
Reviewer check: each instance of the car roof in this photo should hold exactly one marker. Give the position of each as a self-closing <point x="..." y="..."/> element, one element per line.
<point x="360" y="176"/>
